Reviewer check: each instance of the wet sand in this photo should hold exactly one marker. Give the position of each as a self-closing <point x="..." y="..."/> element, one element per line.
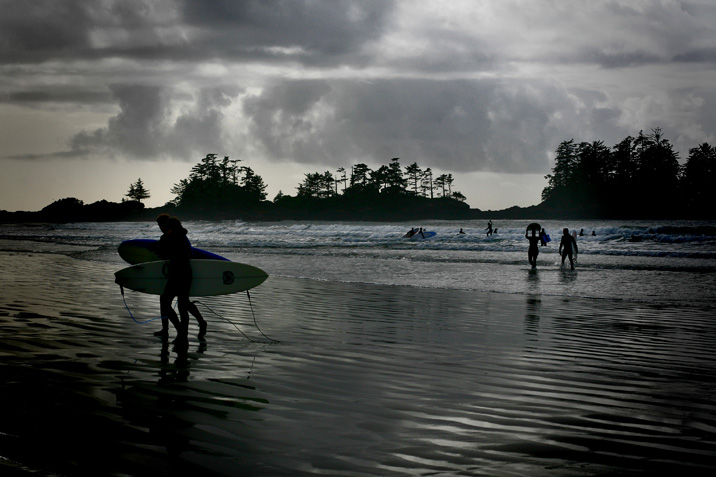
<point x="366" y="380"/>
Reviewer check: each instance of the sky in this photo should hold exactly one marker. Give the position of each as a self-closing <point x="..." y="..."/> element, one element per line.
<point x="95" y="95"/>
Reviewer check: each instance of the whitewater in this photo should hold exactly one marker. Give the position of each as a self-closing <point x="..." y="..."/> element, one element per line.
<point x="670" y="262"/>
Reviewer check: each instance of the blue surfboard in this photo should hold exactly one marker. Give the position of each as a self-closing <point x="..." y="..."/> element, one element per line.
<point x="418" y="235"/>
<point x="139" y="251"/>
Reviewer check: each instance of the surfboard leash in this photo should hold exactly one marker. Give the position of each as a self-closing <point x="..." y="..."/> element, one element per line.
<point x="121" y="289"/>
<point x="234" y="324"/>
<point x="251" y="306"/>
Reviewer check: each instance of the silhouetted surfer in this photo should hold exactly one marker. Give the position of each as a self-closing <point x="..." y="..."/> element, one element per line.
<point x="568" y="247"/>
<point x="533" y="251"/>
<point x="174" y="246"/>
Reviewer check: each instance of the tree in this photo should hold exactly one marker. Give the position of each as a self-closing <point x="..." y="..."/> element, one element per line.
<point x="395" y="183"/>
<point x="137" y="191"/>
<point x="252" y="185"/>
<point x="341" y="178"/>
<point x="415" y="175"/>
<point x="219" y="185"/>
<point x="427" y="187"/>
<point x="563" y="171"/>
<point x="698" y="177"/>
<point x="316" y="185"/>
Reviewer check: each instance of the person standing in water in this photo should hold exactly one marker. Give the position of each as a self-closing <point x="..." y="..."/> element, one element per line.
<point x="533" y="251"/>
<point x="489" y="228"/>
<point x="568" y="247"/>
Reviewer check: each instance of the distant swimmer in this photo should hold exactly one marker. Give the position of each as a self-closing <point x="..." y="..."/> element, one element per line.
<point x="594" y="233"/>
<point x="581" y="233"/>
<point x="533" y="250"/>
<point x="568" y="247"/>
<point x="461" y="232"/>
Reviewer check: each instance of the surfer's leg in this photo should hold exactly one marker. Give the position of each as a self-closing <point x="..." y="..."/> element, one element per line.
<point x="199" y="319"/>
<point x="184" y="314"/>
<point x="165" y="302"/>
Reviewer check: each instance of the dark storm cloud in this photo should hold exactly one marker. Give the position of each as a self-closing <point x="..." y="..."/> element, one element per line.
<point x="57" y="95"/>
<point x="144" y="127"/>
<point x="39" y="30"/>
<point x="409" y="90"/>
<point x="461" y="125"/>
<point x="312" y="32"/>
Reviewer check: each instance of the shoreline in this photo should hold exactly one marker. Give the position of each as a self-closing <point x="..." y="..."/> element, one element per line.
<point x="365" y="380"/>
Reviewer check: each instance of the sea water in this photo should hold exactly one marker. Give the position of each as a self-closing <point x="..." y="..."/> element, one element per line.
<point x="670" y="262"/>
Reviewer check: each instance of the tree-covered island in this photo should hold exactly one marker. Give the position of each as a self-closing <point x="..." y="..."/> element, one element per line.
<point x="638" y="178"/>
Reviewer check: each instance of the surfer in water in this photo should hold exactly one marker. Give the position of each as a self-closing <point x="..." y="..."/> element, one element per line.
<point x="533" y="251"/>
<point x="568" y="247"/>
<point x="175" y="247"/>
<point x="543" y="237"/>
<point x="489" y="228"/>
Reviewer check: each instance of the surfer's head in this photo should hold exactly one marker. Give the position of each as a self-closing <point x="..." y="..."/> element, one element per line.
<point x="171" y="223"/>
<point x="565" y="231"/>
<point x="162" y="221"/>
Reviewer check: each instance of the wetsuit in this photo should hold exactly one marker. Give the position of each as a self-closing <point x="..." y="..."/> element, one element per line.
<point x="566" y="246"/>
<point x="533" y="251"/>
<point x="175" y="248"/>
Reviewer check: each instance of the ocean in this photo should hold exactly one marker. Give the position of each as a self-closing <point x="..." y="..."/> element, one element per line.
<point x="366" y="354"/>
<point x="639" y="261"/>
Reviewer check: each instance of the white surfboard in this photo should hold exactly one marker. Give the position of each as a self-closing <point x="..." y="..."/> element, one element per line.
<point x="210" y="277"/>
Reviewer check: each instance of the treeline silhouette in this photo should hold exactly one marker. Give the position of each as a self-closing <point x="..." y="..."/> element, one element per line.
<point x="640" y="177"/>
<point x="222" y="189"/>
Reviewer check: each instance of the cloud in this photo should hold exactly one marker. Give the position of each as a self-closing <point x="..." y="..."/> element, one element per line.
<point x="477" y="125"/>
<point x="150" y="124"/>
<point x="309" y="32"/>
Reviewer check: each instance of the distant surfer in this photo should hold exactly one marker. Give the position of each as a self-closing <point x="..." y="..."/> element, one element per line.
<point x="174" y="246"/>
<point x="533" y="251"/>
<point x="543" y="237"/>
<point x="489" y="228"/>
<point x="568" y="247"/>
<point x="461" y="232"/>
<point x="421" y="232"/>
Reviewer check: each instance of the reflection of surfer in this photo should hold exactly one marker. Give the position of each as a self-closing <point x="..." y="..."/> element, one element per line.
<point x="533" y="251"/>
<point x="568" y="247"/>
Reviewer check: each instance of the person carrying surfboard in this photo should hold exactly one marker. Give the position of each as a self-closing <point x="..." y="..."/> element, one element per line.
<point x="533" y="250"/>
<point x="191" y="307"/>
<point x="568" y="247"/>
<point x="174" y="246"/>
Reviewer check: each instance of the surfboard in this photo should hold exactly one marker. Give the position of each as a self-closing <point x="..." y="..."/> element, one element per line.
<point x="139" y="251"/>
<point x="210" y="277"/>
<point x="424" y="235"/>
<point x="534" y="226"/>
